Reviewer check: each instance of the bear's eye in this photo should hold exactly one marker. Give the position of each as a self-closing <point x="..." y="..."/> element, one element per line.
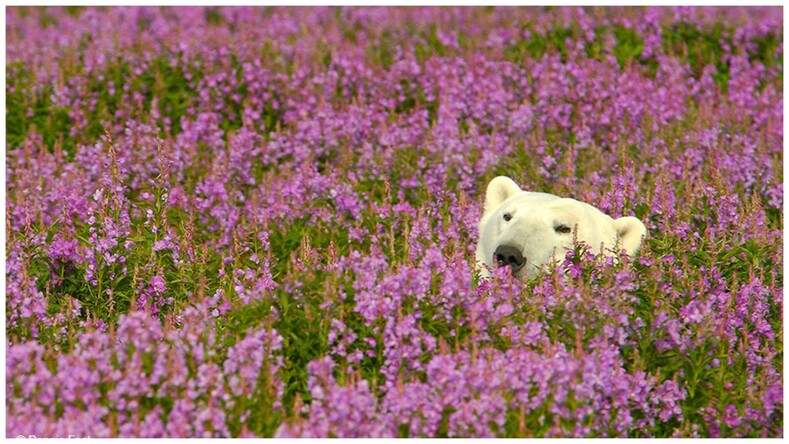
<point x="507" y="217"/>
<point x="563" y="229"/>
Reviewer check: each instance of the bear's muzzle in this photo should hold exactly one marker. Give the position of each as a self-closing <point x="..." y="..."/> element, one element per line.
<point x="507" y="255"/>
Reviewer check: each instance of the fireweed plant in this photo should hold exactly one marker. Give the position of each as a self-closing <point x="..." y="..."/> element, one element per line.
<point x="261" y="221"/>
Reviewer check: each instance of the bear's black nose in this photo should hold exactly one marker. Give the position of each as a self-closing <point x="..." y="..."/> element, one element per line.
<point x="507" y="255"/>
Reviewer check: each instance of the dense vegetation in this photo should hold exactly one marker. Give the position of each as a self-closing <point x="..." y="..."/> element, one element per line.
<point x="261" y="221"/>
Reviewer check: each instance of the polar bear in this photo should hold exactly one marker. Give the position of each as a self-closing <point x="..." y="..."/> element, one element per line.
<point x="529" y="231"/>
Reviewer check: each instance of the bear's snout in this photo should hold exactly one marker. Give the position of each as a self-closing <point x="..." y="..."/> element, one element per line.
<point x="510" y="256"/>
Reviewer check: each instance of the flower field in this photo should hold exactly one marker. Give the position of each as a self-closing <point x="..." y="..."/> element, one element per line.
<point x="261" y="221"/>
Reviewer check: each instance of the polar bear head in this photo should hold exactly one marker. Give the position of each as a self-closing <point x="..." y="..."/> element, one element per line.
<point x="529" y="231"/>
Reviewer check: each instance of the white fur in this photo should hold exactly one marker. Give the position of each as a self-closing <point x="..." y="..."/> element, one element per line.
<point x="533" y="223"/>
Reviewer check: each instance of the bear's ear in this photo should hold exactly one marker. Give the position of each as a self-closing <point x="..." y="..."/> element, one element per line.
<point x="630" y="232"/>
<point x="499" y="190"/>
